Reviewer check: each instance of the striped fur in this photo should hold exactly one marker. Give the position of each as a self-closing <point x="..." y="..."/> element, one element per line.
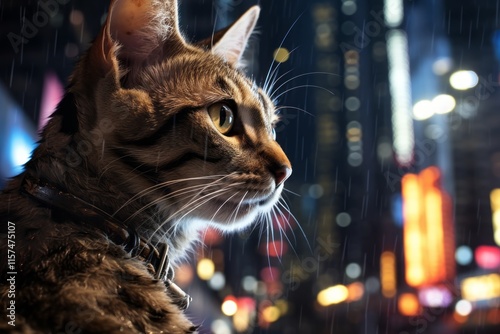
<point x="134" y="137"/>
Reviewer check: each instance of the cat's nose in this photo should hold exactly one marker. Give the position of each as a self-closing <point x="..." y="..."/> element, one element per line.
<point x="281" y="174"/>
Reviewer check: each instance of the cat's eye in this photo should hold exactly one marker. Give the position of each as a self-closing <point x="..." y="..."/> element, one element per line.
<point x="223" y="117"/>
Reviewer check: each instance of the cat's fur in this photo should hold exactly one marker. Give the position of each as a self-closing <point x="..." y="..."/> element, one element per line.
<point x="133" y="137"/>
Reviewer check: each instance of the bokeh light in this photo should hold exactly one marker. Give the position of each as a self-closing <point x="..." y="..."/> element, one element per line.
<point x="408" y="304"/>
<point x="281" y="55"/>
<point x="333" y="295"/>
<point x="463" y="80"/>
<point x="229" y="306"/>
<point x="205" y="269"/>
<point x="463" y="307"/>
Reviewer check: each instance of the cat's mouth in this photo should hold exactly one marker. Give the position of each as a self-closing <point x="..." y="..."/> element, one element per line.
<point x="236" y="210"/>
<point x="271" y="198"/>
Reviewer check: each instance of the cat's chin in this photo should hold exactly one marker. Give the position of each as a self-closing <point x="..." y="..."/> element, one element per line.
<point x="248" y="213"/>
<point x="229" y="217"/>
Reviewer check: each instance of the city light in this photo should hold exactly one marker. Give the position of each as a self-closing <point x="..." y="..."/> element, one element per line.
<point x="463" y="255"/>
<point x="423" y="110"/>
<point x="393" y="13"/>
<point x="353" y="270"/>
<point x="413" y="239"/>
<point x="241" y="320"/>
<point x="443" y="104"/>
<point x="333" y="295"/>
<point x="271" y="313"/>
<point x="20" y="149"/>
<point x="463" y="307"/>
<point x="428" y="231"/>
<point x="388" y="274"/>
<point x="442" y="65"/>
<point x="487" y="257"/>
<point x="53" y="91"/>
<point x="229" y="306"/>
<point x="400" y="88"/>
<point x="205" y="269"/>
<point x="408" y="305"/>
<point x="220" y="326"/>
<point x="495" y="208"/>
<point x="483" y="287"/>
<point x="435" y="296"/>
<point x="281" y="55"/>
<point x="356" y="291"/>
<point x="218" y="281"/>
<point x="463" y="80"/>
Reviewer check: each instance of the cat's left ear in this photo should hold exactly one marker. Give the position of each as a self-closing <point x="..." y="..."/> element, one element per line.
<point x="135" y="32"/>
<point x="231" y="42"/>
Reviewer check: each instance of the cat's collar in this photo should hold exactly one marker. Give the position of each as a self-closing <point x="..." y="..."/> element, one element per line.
<point x="126" y="236"/>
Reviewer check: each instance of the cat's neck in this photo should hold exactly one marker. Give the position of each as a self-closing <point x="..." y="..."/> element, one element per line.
<point x="55" y="168"/>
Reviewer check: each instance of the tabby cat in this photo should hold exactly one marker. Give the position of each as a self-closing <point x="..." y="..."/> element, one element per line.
<point x="154" y="140"/>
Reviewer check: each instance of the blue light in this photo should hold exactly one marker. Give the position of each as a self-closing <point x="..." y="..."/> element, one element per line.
<point x="21" y="145"/>
<point x="17" y="137"/>
<point x="496" y="43"/>
<point x="397" y="209"/>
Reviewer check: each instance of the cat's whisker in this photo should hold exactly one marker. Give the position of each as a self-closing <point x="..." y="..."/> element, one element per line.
<point x="237" y="210"/>
<point x="195" y="200"/>
<point x="160" y="199"/>
<point x="291" y="192"/>
<point x="192" y="200"/>
<point x="286" y="236"/>
<point x="179" y="192"/>
<point x="268" y="87"/>
<point x="304" y="86"/>
<point x="204" y="200"/>
<point x="296" y="108"/>
<point x="213" y="30"/>
<point x="162" y="185"/>
<point x="280" y="229"/>
<point x="299" y="76"/>
<point x="271" y="227"/>
<point x="221" y="206"/>
<point x="177" y="221"/>
<point x="274" y="77"/>
<point x="281" y="44"/>
<point x="289" y="213"/>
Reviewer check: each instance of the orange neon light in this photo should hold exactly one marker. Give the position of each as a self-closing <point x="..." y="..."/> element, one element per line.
<point x="495" y="208"/>
<point x="408" y="305"/>
<point x="388" y="274"/>
<point x="428" y="230"/>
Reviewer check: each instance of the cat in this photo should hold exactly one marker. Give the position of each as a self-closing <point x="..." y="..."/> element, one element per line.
<point x="155" y="140"/>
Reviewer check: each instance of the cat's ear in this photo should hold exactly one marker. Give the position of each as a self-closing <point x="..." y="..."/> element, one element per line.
<point x="136" y="31"/>
<point x="142" y="27"/>
<point x="231" y="42"/>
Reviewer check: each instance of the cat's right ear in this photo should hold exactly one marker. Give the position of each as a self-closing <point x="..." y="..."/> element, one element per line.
<point x="231" y="42"/>
<point x="136" y="32"/>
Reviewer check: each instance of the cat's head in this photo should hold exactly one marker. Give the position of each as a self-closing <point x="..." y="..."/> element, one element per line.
<point x="178" y="126"/>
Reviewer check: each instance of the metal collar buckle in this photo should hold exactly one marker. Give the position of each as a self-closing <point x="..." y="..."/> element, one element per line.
<point x="165" y="273"/>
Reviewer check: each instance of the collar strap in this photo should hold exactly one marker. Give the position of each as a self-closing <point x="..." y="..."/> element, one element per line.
<point x="127" y="237"/>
